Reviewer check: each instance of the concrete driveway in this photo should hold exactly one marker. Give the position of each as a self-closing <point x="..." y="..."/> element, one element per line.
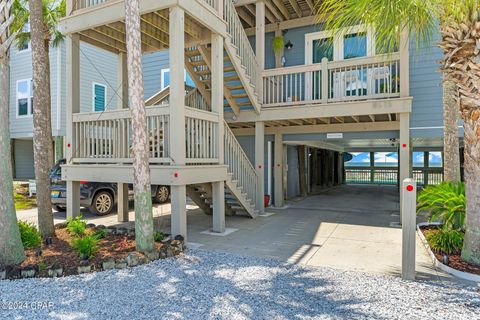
<point x="345" y="227"/>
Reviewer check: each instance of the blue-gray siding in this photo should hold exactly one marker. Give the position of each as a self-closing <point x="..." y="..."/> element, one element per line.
<point x="23" y="158"/>
<point x="153" y="63"/>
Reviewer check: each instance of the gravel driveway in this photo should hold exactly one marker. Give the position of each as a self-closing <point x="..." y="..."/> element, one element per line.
<point x="213" y="285"/>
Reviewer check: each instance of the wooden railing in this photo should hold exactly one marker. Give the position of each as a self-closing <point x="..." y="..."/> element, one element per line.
<point x="83" y="4"/>
<point x="239" y="165"/>
<point x="240" y="40"/>
<point x="194" y="99"/>
<point x="201" y="134"/>
<point x="106" y="137"/>
<point x="335" y="81"/>
<point x="389" y="175"/>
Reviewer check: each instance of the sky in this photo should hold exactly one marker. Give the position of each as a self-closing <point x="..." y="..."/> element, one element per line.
<point x="391" y="158"/>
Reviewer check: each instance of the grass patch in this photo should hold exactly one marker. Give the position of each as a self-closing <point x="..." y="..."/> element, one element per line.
<point x="23" y="202"/>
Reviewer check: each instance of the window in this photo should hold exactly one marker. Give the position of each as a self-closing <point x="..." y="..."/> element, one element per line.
<point x="26" y="45"/>
<point x="386" y="159"/>
<point x="418" y="159"/>
<point x="165" y="79"/>
<point x="322" y="48"/>
<point x="359" y="159"/>
<point x="99" y="97"/>
<point x="355" y="45"/>
<point x="435" y="159"/>
<point x="24" y="98"/>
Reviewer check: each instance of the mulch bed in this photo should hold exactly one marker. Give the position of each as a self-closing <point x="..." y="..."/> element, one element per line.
<point x="454" y="260"/>
<point x="61" y="253"/>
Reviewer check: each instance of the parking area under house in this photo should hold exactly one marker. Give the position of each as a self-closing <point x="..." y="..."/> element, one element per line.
<point x="348" y="227"/>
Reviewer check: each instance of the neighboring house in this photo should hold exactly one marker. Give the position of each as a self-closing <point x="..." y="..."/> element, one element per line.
<point x="98" y="81"/>
<point x="282" y="124"/>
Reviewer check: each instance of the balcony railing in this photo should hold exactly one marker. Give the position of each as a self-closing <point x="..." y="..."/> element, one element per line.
<point x="84" y="4"/>
<point x="389" y="175"/>
<point x="333" y="81"/>
<point x="107" y="137"/>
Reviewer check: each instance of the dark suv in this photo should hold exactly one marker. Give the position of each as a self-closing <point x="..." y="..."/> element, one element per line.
<point x="99" y="197"/>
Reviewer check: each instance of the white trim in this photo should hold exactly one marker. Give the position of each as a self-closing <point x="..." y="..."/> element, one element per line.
<point x="338" y="46"/>
<point x="162" y="78"/>
<point x="29" y="102"/>
<point x="93" y="95"/>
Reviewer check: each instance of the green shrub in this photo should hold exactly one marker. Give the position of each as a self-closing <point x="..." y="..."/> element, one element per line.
<point x="29" y="234"/>
<point x="100" y="234"/>
<point x="86" y="246"/>
<point x="444" y="203"/>
<point x="76" y="226"/>
<point x="158" y="236"/>
<point x="445" y="241"/>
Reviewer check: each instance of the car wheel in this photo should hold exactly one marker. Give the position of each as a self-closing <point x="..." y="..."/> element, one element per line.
<point x="59" y="208"/>
<point x="162" y="194"/>
<point x="102" y="203"/>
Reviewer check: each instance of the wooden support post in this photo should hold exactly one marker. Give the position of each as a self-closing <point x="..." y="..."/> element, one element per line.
<point x="409" y="201"/>
<point x="404" y="64"/>
<point x="73" y="90"/>
<point x="122" y="79"/>
<point x="122" y="203"/>
<point x="179" y="214"/>
<point x="73" y="106"/>
<point x="302" y="178"/>
<point x="73" y="199"/>
<point x="325" y="85"/>
<point x="278" y="172"/>
<point x="177" y="117"/>
<point x="260" y="164"/>
<point x="426" y="164"/>
<point x="260" y="44"/>
<point x="404" y="156"/>
<point x="218" y="193"/>
<point x="372" y="167"/>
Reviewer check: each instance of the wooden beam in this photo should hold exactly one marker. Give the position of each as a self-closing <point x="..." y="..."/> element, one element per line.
<point x="274" y="10"/>
<point x="287" y="24"/>
<point x="108" y="41"/>
<point x="295" y="7"/>
<point x="283" y="9"/>
<point x="311" y="5"/>
<point x="246" y="16"/>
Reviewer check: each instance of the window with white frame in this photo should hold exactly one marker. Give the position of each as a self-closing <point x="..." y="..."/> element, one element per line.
<point x="24" y="98"/>
<point x="99" y="97"/>
<point x="165" y="79"/>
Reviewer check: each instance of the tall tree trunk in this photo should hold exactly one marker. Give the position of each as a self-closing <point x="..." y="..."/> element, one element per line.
<point x="141" y="167"/>
<point x="42" y="127"/>
<point x="471" y="246"/>
<point x="11" y="248"/>
<point x="451" y="148"/>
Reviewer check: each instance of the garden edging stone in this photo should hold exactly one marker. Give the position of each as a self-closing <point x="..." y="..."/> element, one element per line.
<point x="439" y="264"/>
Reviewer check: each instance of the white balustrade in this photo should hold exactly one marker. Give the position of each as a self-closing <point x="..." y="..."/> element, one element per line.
<point x="375" y="77"/>
<point x="239" y="165"/>
<point x="201" y="135"/>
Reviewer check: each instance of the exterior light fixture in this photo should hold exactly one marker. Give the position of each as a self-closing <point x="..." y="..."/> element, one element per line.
<point x="289" y="45"/>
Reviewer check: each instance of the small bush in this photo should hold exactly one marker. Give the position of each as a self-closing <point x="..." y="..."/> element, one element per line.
<point x="445" y="241"/>
<point x="158" y="236"/>
<point x="444" y="203"/>
<point x="100" y="234"/>
<point x="86" y="246"/>
<point x="29" y="234"/>
<point x="76" y="226"/>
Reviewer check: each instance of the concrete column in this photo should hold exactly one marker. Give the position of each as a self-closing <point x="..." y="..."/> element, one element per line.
<point x="178" y="200"/>
<point x="177" y="117"/>
<point x="260" y="42"/>
<point x="260" y="163"/>
<point x="122" y="203"/>
<point x="278" y="171"/>
<point x="409" y="191"/>
<point x="73" y="199"/>
<point x="404" y="156"/>
<point x="218" y="195"/>
<point x="122" y="78"/>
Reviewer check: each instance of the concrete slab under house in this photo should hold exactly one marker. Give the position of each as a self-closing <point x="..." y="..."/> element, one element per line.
<point x="235" y="126"/>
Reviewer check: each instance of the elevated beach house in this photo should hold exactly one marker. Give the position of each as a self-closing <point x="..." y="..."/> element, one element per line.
<point x="268" y="108"/>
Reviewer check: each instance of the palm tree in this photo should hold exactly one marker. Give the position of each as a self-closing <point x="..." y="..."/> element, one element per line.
<point x="141" y="168"/>
<point x="11" y="248"/>
<point x="451" y="148"/>
<point x="460" y="31"/>
<point x="43" y="17"/>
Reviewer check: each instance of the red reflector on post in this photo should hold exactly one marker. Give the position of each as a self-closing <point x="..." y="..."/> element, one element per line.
<point x="83" y="182"/>
<point x="409" y="187"/>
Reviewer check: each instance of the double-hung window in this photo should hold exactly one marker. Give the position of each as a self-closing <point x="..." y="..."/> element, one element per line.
<point x="24" y="98"/>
